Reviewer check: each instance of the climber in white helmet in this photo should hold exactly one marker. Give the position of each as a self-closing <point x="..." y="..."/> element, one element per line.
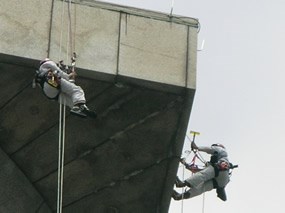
<point x="214" y="176"/>
<point x="56" y="84"/>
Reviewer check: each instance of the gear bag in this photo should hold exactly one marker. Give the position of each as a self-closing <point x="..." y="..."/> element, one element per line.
<point x="221" y="192"/>
<point x="49" y="83"/>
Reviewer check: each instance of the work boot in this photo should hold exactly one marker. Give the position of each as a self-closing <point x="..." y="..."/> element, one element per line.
<point x="76" y="110"/>
<point x="83" y="111"/>
<point x="176" y="196"/>
<point x="87" y="111"/>
<point x="179" y="183"/>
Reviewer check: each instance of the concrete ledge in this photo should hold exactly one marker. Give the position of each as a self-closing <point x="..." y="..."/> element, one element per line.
<point x="119" y="80"/>
<point x="193" y="22"/>
<point x="108" y="38"/>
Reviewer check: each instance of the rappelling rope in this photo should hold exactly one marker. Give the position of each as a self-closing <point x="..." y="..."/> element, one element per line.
<point x="172" y="6"/>
<point x="59" y="158"/>
<point x="183" y="190"/>
<point x="69" y="33"/>
<point x="199" y="156"/>
<point x="61" y="31"/>
<point x="203" y="203"/>
<point x="193" y="163"/>
<point x="60" y="139"/>
<point x="62" y="113"/>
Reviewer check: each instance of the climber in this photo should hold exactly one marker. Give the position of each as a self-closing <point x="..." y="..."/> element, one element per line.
<point x="58" y="85"/>
<point x="214" y="176"/>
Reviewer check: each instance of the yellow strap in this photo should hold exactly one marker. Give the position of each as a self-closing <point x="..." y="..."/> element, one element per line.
<point x="53" y="83"/>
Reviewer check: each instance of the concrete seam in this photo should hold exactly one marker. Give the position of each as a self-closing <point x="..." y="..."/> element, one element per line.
<point x="165" y="193"/>
<point x="18" y="93"/>
<point x="50" y="28"/>
<point x="131" y="126"/>
<point x="118" y="49"/>
<point x="52" y="126"/>
<point x="119" y="180"/>
<point x="24" y="174"/>
<point x="187" y="57"/>
<point x="137" y="12"/>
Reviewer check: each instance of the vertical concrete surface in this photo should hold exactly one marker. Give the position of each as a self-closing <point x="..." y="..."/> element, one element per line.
<point x="138" y="70"/>
<point x="17" y="193"/>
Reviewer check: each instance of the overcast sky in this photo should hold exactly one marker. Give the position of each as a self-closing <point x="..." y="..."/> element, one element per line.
<point x="239" y="99"/>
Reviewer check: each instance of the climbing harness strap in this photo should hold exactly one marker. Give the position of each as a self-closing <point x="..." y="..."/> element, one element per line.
<point x="192" y="166"/>
<point x="221" y="193"/>
<point x="52" y="79"/>
<point x="49" y="83"/>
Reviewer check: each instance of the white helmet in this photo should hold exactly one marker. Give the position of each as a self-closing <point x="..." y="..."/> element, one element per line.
<point x="44" y="61"/>
<point x="218" y="144"/>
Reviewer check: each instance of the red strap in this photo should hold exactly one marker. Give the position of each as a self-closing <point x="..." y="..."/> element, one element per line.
<point x="194" y="159"/>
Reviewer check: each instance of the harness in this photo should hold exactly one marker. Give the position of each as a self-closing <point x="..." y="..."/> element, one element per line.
<point x="219" y="164"/>
<point x="49" y="78"/>
<point x="52" y="79"/>
<point x="218" y="167"/>
<point x="192" y="166"/>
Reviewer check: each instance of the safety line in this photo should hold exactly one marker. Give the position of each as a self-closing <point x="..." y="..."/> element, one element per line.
<point x="59" y="173"/>
<point x="61" y="146"/>
<point x="69" y="34"/>
<point x="62" y="115"/>
<point x="203" y="205"/>
<point x="199" y="156"/>
<point x="61" y="31"/>
<point x="182" y="201"/>
<point x="172" y="6"/>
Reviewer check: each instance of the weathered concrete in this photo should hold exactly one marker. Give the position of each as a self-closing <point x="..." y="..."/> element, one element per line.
<point x="24" y="28"/>
<point x="137" y="137"/>
<point x="138" y="69"/>
<point x="17" y="192"/>
<point x="110" y="39"/>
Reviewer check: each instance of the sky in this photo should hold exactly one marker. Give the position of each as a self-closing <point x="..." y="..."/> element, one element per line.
<point x="239" y="98"/>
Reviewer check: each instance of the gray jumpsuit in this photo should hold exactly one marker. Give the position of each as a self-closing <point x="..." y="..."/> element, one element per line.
<point x="202" y="181"/>
<point x="69" y="93"/>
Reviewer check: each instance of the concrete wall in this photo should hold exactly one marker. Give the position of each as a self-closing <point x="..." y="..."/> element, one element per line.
<point x="140" y="46"/>
<point x="107" y="38"/>
<point x="124" y="161"/>
<point x="18" y="194"/>
<point x="24" y="28"/>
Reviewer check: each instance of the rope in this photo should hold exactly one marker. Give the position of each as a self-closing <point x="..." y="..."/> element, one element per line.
<point x="62" y="114"/>
<point x="61" y="31"/>
<point x="183" y="189"/>
<point x="200" y="157"/>
<point x="171" y="10"/>
<point x="193" y="164"/>
<point x="62" y="150"/>
<point x="203" y="205"/>
<point x="59" y="158"/>
<point x="70" y="40"/>
<point x="60" y="130"/>
<point x="61" y="144"/>
<point x="182" y="201"/>
<point x="69" y="33"/>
